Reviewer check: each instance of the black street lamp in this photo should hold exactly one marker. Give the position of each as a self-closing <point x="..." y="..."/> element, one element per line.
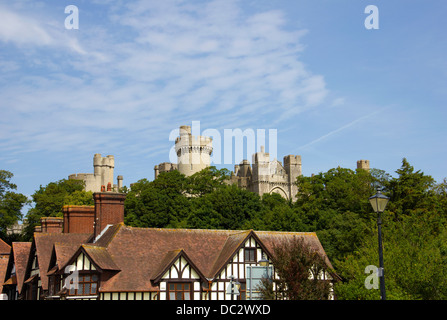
<point x="378" y="203"/>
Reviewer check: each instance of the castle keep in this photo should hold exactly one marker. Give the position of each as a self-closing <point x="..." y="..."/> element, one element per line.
<point x="263" y="176"/>
<point x="266" y="176"/>
<point x="193" y="154"/>
<point x="102" y="178"/>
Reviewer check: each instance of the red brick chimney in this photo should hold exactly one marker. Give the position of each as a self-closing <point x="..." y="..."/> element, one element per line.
<point x="109" y="209"/>
<point x="51" y="224"/>
<point x="78" y="219"/>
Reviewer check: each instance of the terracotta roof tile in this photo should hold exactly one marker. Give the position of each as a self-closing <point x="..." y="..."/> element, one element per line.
<point x="272" y="238"/>
<point x="138" y="252"/>
<point x="21" y="251"/>
<point x="100" y="257"/>
<point x="44" y="243"/>
<point x="143" y="254"/>
<point x="4" y="259"/>
<point x="4" y="247"/>
<point x="63" y="252"/>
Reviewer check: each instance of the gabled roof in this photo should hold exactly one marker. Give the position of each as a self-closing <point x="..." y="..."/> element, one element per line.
<point x="62" y="252"/>
<point x="100" y="257"/>
<point x="20" y="254"/>
<point x="43" y="244"/>
<point x="4" y="259"/>
<point x="97" y="255"/>
<point x="143" y="255"/>
<point x="170" y="258"/>
<point x="139" y="251"/>
<point x="232" y="244"/>
<point x="165" y="263"/>
<point x="272" y="238"/>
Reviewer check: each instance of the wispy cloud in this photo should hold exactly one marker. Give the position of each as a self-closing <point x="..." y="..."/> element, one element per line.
<point x="146" y="67"/>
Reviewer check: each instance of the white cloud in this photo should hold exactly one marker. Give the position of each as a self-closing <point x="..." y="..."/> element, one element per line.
<point x="21" y="29"/>
<point x="153" y="64"/>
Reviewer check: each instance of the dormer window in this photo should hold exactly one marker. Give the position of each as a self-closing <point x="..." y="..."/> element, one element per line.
<point x="87" y="285"/>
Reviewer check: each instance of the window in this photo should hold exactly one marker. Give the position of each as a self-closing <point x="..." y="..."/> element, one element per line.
<point x="54" y="284"/>
<point x="242" y="291"/>
<point x="250" y="254"/>
<point x="87" y="285"/>
<point x="179" y="291"/>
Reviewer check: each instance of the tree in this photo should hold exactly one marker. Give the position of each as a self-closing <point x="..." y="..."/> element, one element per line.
<point x="410" y="191"/>
<point x="159" y="203"/>
<point x="207" y="181"/>
<point x="335" y="205"/>
<point x="49" y="200"/>
<point x="228" y="207"/>
<point x="11" y="203"/>
<point x="278" y="214"/>
<point x="300" y="271"/>
<point x="203" y="200"/>
<point x="414" y="242"/>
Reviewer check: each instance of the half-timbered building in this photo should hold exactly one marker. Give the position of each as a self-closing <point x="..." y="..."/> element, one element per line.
<point x="119" y="262"/>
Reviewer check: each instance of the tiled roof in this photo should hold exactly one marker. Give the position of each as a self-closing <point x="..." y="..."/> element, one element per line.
<point x="142" y="254"/>
<point x="100" y="257"/>
<point x="44" y="243"/>
<point x="20" y="251"/>
<point x="62" y="253"/>
<point x="3" y="267"/>
<point x="4" y="247"/>
<point x="272" y="238"/>
<point x="136" y="258"/>
<point x="139" y="251"/>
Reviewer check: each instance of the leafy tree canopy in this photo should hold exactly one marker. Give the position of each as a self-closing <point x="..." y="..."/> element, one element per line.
<point x="49" y="200"/>
<point x="11" y="203"/>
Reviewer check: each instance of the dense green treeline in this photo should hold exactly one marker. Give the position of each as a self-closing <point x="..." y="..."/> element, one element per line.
<point x="334" y="204"/>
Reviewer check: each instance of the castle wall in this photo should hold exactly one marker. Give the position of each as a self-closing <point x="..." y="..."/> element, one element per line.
<point x="102" y="174"/>
<point x="266" y="176"/>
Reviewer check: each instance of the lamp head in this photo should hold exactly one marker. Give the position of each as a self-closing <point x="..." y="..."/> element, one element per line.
<point x="379" y="201"/>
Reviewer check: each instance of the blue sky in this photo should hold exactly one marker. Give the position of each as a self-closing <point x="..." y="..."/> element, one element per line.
<point x="135" y="70"/>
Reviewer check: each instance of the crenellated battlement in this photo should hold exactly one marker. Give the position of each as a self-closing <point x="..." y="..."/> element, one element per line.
<point x="102" y="174"/>
<point x="363" y="164"/>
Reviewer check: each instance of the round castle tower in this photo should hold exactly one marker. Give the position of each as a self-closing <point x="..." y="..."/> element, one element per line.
<point x="193" y="152"/>
<point x="103" y="170"/>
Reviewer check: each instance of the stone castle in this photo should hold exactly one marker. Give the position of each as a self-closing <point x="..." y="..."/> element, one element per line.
<point x="263" y="176"/>
<point x="268" y="176"/>
<point x="194" y="154"/>
<point x="102" y="177"/>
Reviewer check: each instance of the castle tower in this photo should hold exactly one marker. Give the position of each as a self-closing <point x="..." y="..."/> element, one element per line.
<point x="261" y="172"/>
<point x="102" y="174"/>
<point x="292" y="165"/>
<point x="103" y="170"/>
<point x="193" y="152"/>
<point x="363" y="164"/>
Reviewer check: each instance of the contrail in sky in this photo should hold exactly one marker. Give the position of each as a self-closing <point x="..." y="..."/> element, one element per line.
<point x="339" y="129"/>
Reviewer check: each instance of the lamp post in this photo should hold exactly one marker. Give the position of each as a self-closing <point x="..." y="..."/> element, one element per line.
<point x="378" y="203"/>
